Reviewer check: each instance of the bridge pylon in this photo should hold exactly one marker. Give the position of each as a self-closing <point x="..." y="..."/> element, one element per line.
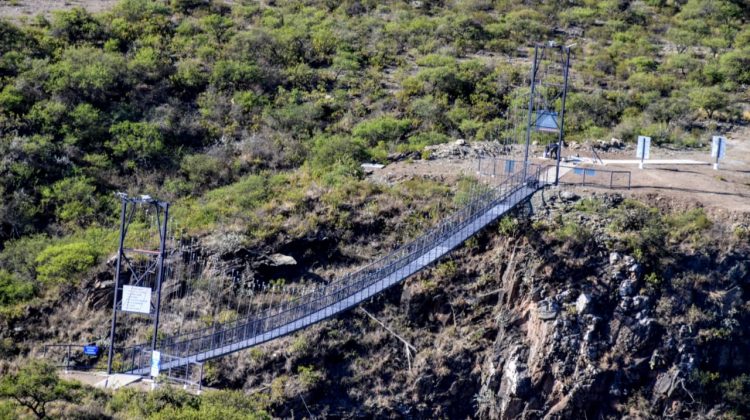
<point x="139" y="271"/>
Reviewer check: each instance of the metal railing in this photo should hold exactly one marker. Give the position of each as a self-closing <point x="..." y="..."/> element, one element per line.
<point x="595" y="177"/>
<point x="484" y="204"/>
<point x="72" y="356"/>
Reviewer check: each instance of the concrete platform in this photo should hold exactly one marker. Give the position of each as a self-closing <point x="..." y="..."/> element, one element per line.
<point x="653" y="162"/>
<point x="118" y="380"/>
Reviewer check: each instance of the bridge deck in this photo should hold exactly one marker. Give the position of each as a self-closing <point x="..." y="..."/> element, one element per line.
<point x="425" y="259"/>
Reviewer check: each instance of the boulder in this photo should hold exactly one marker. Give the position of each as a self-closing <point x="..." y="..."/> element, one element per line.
<point x="278" y="260"/>
<point x="583" y="303"/>
<point x="627" y="288"/>
<point x="547" y="309"/>
<point x="569" y="196"/>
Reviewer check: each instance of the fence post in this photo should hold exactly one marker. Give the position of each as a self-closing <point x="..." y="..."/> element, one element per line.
<point x="200" y="380"/>
<point x="67" y="362"/>
<point x="610" y="179"/>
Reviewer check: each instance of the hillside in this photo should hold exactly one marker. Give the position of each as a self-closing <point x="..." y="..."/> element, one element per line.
<point x="252" y="119"/>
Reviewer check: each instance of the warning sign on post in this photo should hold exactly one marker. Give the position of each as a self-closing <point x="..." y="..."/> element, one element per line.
<point x="136" y="299"/>
<point x="644" y="147"/>
<point x="155" y="363"/>
<point x="719" y="147"/>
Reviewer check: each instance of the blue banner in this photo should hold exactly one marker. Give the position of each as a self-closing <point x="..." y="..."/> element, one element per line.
<point x="91" y="350"/>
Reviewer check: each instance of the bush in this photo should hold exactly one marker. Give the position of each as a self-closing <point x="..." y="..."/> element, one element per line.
<point x="14" y="290"/>
<point x="137" y="141"/>
<point x="35" y="386"/>
<point x="386" y="129"/>
<point x="88" y="74"/>
<point x="688" y="226"/>
<point x="60" y="264"/>
<point x="73" y="200"/>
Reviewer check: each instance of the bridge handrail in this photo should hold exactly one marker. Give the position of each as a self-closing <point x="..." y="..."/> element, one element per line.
<point x="481" y="199"/>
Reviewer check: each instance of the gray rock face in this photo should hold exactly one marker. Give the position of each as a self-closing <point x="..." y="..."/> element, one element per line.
<point x="278" y="260"/>
<point x="583" y="303"/>
<point x="627" y="288"/>
<point x="614" y="257"/>
<point x="569" y="196"/>
<point x="547" y="309"/>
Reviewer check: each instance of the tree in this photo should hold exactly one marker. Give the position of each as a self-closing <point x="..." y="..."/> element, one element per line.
<point x="13" y="289"/>
<point x="62" y="263"/>
<point x="710" y="99"/>
<point x="35" y="385"/>
<point x="139" y="141"/>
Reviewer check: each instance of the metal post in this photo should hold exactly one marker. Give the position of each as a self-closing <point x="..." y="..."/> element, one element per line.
<point x="117" y="285"/>
<point x="160" y="270"/>
<point x="200" y="380"/>
<point x="531" y="110"/>
<point x="67" y="361"/>
<point x="643" y="154"/>
<point x="562" y="115"/>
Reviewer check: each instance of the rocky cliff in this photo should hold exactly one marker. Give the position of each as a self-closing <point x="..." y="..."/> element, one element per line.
<point x="582" y="308"/>
<point x="580" y="305"/>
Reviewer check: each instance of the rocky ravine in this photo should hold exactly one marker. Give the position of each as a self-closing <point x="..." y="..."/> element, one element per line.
<point x="593" y="307"/>
<point x="563" y="322"/>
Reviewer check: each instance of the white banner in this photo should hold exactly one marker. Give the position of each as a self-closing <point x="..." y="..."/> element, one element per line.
<point x="644" y="145"/>
<point x="155" y="363"/>
<point x="136" y="299"/>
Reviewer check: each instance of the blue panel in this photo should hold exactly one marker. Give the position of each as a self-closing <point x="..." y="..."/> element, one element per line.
<point x="587" y="172"/>
<point x="509" y="164"/>
<point x="91" y="350"/>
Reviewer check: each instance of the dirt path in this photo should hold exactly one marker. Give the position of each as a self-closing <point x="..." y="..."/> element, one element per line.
<point x="725" y="192"/>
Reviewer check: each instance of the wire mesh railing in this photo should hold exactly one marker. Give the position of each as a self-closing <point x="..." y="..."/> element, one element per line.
<point x="321" y="303"/>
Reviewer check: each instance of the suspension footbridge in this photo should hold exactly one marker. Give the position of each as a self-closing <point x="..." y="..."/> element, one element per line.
<point x="484" y="206"/>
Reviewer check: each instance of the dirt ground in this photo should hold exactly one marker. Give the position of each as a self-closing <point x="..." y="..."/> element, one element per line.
<point x="723" y="193"/>
<point x="19" y="10"/>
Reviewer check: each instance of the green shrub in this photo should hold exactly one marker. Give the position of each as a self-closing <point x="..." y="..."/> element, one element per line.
<point x="382" y="129"/>
<point x="688" y="226"/>
<point x="87" y="73"/>
<point x="309" y="377"/>
<point x="14" y="290"/>
<point x="508" y="226"/>
<point x="60" y="264"/>
<point x="74" y="201"/>
<point x="737" y="392"/>
<point x="136" y="141"/>
<point x="35" y="386"/>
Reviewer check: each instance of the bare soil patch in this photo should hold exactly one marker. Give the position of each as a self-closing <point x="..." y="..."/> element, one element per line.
<point x="723" y="193"/>
<point x="20" y="10"/>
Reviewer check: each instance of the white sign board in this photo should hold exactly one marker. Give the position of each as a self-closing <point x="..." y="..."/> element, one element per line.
<point x="155" y="363"/>
<point x="643" y="149"/>
<point x="136" y="299"/>
<point x="719" y="147"/>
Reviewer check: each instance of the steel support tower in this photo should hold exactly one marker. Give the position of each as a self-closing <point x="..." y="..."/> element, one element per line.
<point x="138" y="268"/>
<point x="548" y="91"/>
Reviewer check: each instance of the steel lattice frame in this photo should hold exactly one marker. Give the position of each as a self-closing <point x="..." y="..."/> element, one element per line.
<point x="135" y="275"/>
